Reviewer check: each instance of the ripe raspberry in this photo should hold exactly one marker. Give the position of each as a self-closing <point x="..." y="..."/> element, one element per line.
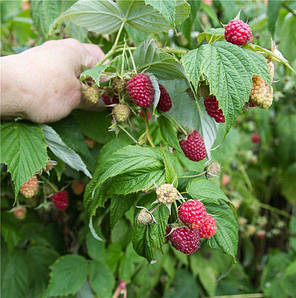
<point x="184" y="240"/>
<point x="20" y="212"/>
<point x="30" y="188"/>
<point x="192" y="213"/>
<point x="121" y="112"/>
<point x="165" y="102"/>
<point x="140" y="90"/>
<point x="145" y="217"/>
<point x="166" y="194"/>
<point x="208" y="229"/>
<point x="60" y="200"/>
<point x="91" y="94"/>
<point x="256" y="138"/>
<point x="237" y="32"/>
<point x="261" y="94"/>
<point x="194" y="147"/>
<point x="212" y="107"/>
<point x="110" y="100"/>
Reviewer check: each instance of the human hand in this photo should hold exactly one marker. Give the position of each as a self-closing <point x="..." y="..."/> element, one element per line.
<point x="41" y="84"/>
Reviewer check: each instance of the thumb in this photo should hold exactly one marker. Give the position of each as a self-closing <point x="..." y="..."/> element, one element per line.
<point x="92" y="55"/>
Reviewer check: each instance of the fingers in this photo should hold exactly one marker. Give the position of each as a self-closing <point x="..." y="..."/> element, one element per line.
<point x="92" y="55"/>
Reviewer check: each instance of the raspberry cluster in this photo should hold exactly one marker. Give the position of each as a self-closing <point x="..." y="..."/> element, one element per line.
<point x="198" y="223"/>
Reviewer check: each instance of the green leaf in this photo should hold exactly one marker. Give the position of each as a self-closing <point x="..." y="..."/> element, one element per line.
<point x="287" y="37"/>
<point x="129" y="170"/>
<point x="95" y="248"/>
<point x="44" y="13"/>
<point x="169" y="133"/>
<point x="23" y="150"/>
<point x="166" y="7"/>
<point x="184" y="286"/>
<point x="151" y="59"/>
<point x="170" y="173"/>
<point x="62" y="151"/>
<point x="94" y="73"/>
<point x="14" y="274"/>
<point x="148" y="237"/>
<point x="212" y="34"/>
<point x="228" y="69"/>
<point x="101" y="279"/>
<point x="119" y="205"/>
<point x="273" y="9"/>
<point x="205" y="189"/>
<point x="102" y="17"/>
<point x="39" y="258"/>
<point x="94" y="125"/>
<point x="67" y="275"/>
<point x="292" y="229"/>
<point x="226" y="237"/>
<point x="147" y="19"/>
<point x="288" y="279"/>
<point x="10" y="229"/>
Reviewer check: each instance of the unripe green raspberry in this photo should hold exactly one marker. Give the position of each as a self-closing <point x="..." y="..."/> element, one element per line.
<point x="145" y="217"/>
<point x="118" y="84"/>
<point x="213" y="169"/>
<point x="121" y="112"/>
<point x="91" y="94"/>
<point x="270" y="66"/>
<point x="166" y="194"/>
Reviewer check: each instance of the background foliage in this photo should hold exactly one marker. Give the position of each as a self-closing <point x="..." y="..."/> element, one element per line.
<point x="40" y="252"/>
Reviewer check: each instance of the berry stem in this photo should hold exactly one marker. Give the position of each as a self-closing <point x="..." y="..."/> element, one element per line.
<point x="122" y="128"/>
<point x="177" y="124"/>
<point x="53" y="187"/>
<point x="112" y="50"/>
<point x="193" y="176"/>
<point x="147" y="131"/>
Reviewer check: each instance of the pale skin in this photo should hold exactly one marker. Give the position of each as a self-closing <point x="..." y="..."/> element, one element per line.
<point x="41" y="84"/>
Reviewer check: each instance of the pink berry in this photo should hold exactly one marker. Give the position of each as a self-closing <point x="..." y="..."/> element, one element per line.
<point x="184" y="240"/>
<point x="194" y="147"/>
<point x="140" y="90"/>
<point x="165" y="102"/>
<point x="208" y="229"/>
<point x="256" y="138"/>
<point x="212" y="108"/>
<point x="60" y="200"/>
<point x="192" y="213"/>
<point x="238" y="32"/>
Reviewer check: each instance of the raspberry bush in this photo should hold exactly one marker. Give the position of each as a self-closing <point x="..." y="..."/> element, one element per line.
<point x="133" y="194"/>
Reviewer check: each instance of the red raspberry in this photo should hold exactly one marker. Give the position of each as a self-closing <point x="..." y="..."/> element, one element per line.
<point x="184" y="240"/>
<point x="60" y="200"/>
<point x="30" y="188"/>
<point x="20" y="212"/>
<point x="140" y="90"/>
<point x="256" y="138"/>
<point x="208" y="229"/>
<point x="110" y="101"/>
<point x="212" y="107"/>
<point x="165" y="102"/>
<point x="238" y="32"/>
<point x="194" y="147"/>
<point x="192" y="213"/>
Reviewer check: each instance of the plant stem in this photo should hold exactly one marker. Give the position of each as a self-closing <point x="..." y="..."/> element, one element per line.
<point x="177" y="124"/>
<point x="53" y="187"/>
<point x="274" y="209"/>
<point x="122" y="128"/>
<point x="175" y="51"/>
<point x="147" y="131"/>
<point x="193" y="176"/>
<point x="112" y="50"/>
<point x="289" y="9"/>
